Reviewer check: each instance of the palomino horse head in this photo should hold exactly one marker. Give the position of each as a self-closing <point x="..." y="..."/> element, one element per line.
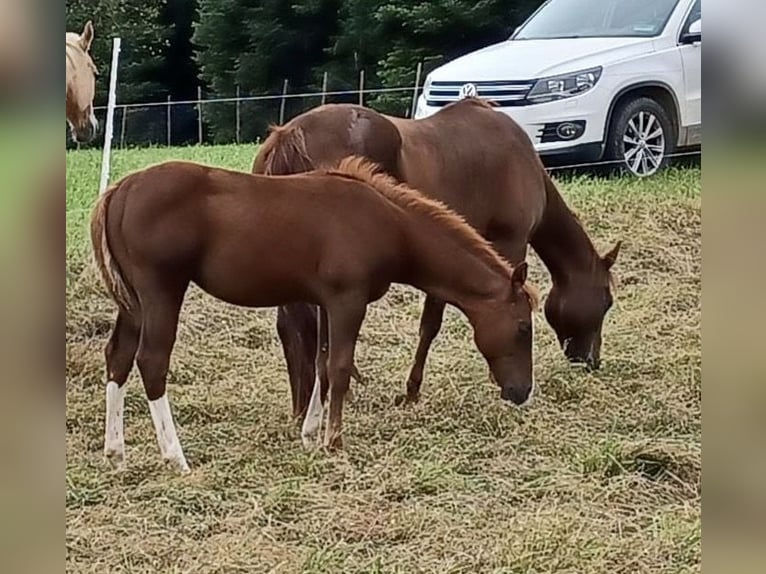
<point x="503" y="335"/>
<point x="81" y="75"/>
<point x="576" y="309"/>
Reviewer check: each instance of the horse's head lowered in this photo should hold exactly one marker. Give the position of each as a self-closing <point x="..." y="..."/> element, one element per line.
<point x="503" y="335"/>
<point x="576" y="309"/>
<point x="81" y="75"/>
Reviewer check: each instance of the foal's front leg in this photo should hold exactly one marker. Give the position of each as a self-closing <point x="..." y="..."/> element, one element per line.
<point x="345" y="321"/>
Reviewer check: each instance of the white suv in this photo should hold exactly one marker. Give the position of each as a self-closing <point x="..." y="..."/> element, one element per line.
<point x="591" y="80"/>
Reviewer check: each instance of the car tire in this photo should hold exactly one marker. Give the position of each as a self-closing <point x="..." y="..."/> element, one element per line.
<point x="641" y="137"/>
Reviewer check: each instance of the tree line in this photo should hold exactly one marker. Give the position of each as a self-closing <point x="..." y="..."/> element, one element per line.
<point x="251" y="47"/>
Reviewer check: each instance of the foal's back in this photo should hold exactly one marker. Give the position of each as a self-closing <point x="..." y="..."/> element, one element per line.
<point x="253" y="240"/>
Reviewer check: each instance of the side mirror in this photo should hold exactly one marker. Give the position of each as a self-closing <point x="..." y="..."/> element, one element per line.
<point x="694" y="34"/>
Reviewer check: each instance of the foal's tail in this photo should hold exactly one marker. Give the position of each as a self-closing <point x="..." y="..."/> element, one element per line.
<point x="119" y="289"/>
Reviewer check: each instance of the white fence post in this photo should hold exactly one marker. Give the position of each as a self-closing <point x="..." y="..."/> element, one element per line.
<point x="107" y="156"/>
<point x="361" y="87"/>
<point x="324" y="88"/>
<point x="170" y="123"/>
<point x="415" y="92"/>
<point x="199" y="115"/>
<point x="282" y="105"/>
<point x="123" y="126"/>
<point x="238" y="117"/>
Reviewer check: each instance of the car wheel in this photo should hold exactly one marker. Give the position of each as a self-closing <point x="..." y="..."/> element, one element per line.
<point x="641" y="137"/>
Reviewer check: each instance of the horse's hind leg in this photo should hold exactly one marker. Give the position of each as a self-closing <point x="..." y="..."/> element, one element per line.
<point x="160" y="309"/>
<point x="120" y="354"/>
<point x="297" y="330"/>
<point x="430" y="324"/>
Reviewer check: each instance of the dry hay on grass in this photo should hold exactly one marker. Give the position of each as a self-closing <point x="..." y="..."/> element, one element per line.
<point x="602" y="474"/>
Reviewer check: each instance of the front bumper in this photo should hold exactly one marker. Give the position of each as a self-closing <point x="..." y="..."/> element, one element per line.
<point x="534" y="119"/>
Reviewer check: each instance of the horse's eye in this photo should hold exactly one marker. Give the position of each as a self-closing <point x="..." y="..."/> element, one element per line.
<point x="525" y="327"/>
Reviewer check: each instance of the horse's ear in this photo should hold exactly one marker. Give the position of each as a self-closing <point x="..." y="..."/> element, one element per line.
<point x="519" y="275"/>
<point x="611" y="257"/>
<point x="86" y="38"/>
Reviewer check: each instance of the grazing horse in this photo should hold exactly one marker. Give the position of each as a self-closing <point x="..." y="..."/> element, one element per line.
<point x="335" y="238"/>
<point x="481" y="164"/>
<point x="81" y="75"/>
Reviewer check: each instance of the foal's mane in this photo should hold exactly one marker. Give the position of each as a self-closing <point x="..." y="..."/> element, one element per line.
<point x="363" y="170"/>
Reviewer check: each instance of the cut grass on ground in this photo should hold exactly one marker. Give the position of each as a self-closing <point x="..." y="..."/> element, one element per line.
<point x="601" y="474"/>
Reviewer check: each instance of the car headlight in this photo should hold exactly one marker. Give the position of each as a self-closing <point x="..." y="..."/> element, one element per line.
<point x="564" y="86"/>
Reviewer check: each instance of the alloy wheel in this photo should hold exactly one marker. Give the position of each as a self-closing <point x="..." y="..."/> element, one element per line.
<point x="643" y="144"/>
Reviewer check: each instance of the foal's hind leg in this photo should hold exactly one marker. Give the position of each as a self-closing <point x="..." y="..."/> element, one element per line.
<point x="345" y="321"/>
<point x="430" y="324"/>
<point x="120" y="354"/>
<point x="160" y="310"/>
<point x="312" y="423"/>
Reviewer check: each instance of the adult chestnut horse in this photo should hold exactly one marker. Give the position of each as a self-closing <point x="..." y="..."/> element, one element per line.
<point x="481" y="164"/>
<point x="336" y="239"/>
<point x="81" y="75"/>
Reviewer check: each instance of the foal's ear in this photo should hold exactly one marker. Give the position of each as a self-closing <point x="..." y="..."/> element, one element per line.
<point x="519" y="275"/>
<point x="611" y="257"/>
<point x="86" y="38"/>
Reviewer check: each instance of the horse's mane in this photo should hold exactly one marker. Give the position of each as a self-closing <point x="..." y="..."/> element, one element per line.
<point x="363" y="170"/>
<point x="284" y="151"/>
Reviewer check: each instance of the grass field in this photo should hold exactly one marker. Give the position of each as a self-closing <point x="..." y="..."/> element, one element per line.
<point x="601" y="475"/>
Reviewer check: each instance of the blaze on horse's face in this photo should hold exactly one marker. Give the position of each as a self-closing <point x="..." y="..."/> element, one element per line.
<point x="504" y="337"/>
<point x="576" y="311"/>
<point x="81" y="90"/>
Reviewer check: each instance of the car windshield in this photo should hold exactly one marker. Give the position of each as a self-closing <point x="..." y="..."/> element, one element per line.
<point x="597" y="18"/>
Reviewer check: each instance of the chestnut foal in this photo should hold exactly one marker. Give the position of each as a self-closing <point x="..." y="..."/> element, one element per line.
<point x="335" y="238"/>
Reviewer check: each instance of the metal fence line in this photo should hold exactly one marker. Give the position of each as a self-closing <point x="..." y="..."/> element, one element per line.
<point x="616" y="161"/>
<point x="266" y="97"/>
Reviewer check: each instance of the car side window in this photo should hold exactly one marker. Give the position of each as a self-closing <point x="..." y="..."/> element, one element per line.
<point x="694" y="15"/>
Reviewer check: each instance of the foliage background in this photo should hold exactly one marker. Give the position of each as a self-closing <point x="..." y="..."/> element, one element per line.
<point x="170" y="47"/>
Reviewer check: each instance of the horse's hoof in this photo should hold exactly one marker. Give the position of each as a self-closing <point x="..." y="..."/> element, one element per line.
<point x="357" y="376"/>
<point x="116" y="459"/>
<point x="333" y="443"/>
<point x="178" y="465"/>
<point x="404" y="400"/>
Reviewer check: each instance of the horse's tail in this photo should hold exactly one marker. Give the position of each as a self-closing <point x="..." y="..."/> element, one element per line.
<point x="284" y="152"/>
<point x="118" y="287"/>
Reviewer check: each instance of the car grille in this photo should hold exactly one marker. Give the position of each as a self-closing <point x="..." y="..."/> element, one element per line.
<point x="503" y="93"/>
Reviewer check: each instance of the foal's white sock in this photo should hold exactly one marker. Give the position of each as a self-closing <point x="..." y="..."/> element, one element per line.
<point x="114" y="438"/>
<point x="170" y="446"/>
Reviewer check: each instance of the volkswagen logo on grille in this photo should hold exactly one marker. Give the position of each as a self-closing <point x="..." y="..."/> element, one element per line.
<point x="468" y="91"/>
